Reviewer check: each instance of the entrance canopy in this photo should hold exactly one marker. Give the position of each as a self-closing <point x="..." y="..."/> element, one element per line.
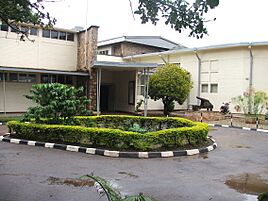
<point x="123" y="66"/>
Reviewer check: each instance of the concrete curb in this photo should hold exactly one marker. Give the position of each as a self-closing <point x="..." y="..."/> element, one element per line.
<point x="109" y="153"/>
<point x="239" y="127"/>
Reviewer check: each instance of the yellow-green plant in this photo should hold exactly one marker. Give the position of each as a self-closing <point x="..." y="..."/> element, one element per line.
<point x="251" y="102"/>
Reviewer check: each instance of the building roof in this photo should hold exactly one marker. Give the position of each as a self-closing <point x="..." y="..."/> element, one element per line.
<point x="154" y="41"/>
<point x="205" y="48"/>
<point x="123" y="65"/>
<point x="34" y="70"/>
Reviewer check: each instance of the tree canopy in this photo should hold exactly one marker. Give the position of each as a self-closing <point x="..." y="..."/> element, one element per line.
<point x="170" y="83"/>
<point x="179" y="14"/>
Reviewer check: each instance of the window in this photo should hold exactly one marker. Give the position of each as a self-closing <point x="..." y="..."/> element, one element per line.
<point x="69" y="79"/>
<point x="4" y="27"/>
<point x="13" y="77"/>
<point x="61" y="79"/>
<point x="54" y="34"/>
<point x="104" y="52"/>
<point x="131" y="92"/>
<point x="213" y="88"/>
<point x="23" y="78"/>
<point x="46" y="33"/>
<point x="62" y="36"/>
<point x="70" y="36"/>
<point x="32" y="78"/>
<point x="141" y="84"/>
<point x="24" y="29"/>
<point x="33" y="31"/>
<point x="204" y="88"/>
<point x="3" y="76"/>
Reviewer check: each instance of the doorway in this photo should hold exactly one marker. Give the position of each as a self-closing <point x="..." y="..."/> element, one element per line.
<point x="107" y="98"/>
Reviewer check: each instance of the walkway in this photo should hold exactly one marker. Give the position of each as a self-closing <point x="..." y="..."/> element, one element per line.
<point x="27" y="173"/>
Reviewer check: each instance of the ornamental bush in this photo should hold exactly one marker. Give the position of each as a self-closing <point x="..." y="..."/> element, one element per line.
<point x="111" y="132"/>
<point x="56" y="102"/>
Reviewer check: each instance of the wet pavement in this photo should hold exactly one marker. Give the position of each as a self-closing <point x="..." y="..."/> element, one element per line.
<point x="237" y="170"/>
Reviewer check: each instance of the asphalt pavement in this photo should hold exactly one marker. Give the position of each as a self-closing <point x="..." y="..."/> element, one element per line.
<point x="34" y="173"/>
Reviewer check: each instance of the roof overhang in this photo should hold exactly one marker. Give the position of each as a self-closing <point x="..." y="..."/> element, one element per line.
<point x="32" y="70"/>
<point x="123" y="65"/>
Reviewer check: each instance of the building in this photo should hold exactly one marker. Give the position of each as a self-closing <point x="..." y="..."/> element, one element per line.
<point x="114" y="71"/>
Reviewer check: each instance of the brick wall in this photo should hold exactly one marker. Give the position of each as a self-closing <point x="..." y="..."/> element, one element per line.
<point x="84" y="63"/>
<point x="128" y="49"/>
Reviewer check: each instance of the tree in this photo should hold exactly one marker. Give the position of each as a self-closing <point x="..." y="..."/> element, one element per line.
<point x="179" y="14"/>
<point x="56" y="102"/>
<point x="170" y="83"/>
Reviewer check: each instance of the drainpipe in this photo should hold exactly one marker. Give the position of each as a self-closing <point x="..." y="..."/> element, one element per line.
<point x="199" y="74"/>
<point x="250" y="76"/>
<point x="4" y="90"/>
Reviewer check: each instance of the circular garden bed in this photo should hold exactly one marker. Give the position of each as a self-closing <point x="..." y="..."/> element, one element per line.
<point x="121" y="133"/>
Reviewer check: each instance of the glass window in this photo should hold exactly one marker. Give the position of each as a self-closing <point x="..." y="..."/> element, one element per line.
<point x="62" y="36"/>
<point x="14" y="28"/>
<point x="70" y="36"/>
<point x="214" y="88"/>
<point x="54" y="34"/>
<point x="4" y="27"/>
<point x="2" y="76"/>
<point x="131" y="92"/>
<point x="32" y="78"/>
<point x="46" y="33"/>
<point x="141" y="84"/>
<point x="45" y="79"/>
<point x="13" y="77"/>
<point x="33" y="31"/>
<point x="204" y="88"/>
<point x="69" y="79"/>
<point x="23" y="78"/>
<point x="61" y="79"/>
<point x="24" y="29"/>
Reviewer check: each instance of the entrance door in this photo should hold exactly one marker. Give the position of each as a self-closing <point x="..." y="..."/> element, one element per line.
<point x="104" y="98"/>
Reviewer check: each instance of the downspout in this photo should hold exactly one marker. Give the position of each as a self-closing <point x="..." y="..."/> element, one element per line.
<point x="250" y="77"/>
<point x="4" y="90"/>
<point x="199" y="74"/>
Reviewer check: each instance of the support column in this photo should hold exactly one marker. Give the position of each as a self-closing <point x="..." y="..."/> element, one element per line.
<point x="199" y="75"/>
<point x="146" y="88"/>
<point x="4" y="91"/>
<point x="98" y="90"/>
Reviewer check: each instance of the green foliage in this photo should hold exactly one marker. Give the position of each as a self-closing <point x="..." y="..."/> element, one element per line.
<point x="251" y="102"/>
<point x="180" y="15"/>
<point x="170" y="83"/>
<point x="104" y="187"/>
<point x="105" y="133"/>
<point x="136" y="128"/>
<point x="266" y="116"/>
<point x="56" y="102"/>
<point x="263" y="196"/>
<point x="13" y="12"/>
<point x="5" y="119"/>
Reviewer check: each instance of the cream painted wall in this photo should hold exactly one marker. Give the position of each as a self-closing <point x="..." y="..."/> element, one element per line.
<point x="43" y="53"/>
<point x="228" y="67"/>
<point x="15" y="100"/>
<point x="109" y="58"/>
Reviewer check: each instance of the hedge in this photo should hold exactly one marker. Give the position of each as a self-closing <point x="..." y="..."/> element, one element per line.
<point x="104" y="132"/>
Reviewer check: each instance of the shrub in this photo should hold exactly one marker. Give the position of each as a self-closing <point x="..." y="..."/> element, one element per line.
<point x="177" y="132"/>
<point x="170" y="83"/>
<point x="251" y="102"/>
<point x="56" y="102"/>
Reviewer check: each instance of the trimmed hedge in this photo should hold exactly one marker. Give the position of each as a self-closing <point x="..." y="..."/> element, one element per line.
<point x="111" y="132"/>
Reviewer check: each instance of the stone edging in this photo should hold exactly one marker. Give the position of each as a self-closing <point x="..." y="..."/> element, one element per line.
<point x="239" y="127"/>
<point x="116" y="154"/>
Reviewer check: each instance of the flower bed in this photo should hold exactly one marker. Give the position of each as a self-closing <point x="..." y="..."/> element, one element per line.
<point x="113" y="132"/>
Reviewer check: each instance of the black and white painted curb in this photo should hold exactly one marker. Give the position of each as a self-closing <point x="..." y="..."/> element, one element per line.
<point x="116" y="154"/>
<point x="239" y="127"/>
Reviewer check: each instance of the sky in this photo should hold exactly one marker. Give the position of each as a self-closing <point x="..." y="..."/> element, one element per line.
<point x="236" y="21"/>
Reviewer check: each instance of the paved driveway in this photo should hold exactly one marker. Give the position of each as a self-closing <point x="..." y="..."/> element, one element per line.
<point x="26" y="173"/>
